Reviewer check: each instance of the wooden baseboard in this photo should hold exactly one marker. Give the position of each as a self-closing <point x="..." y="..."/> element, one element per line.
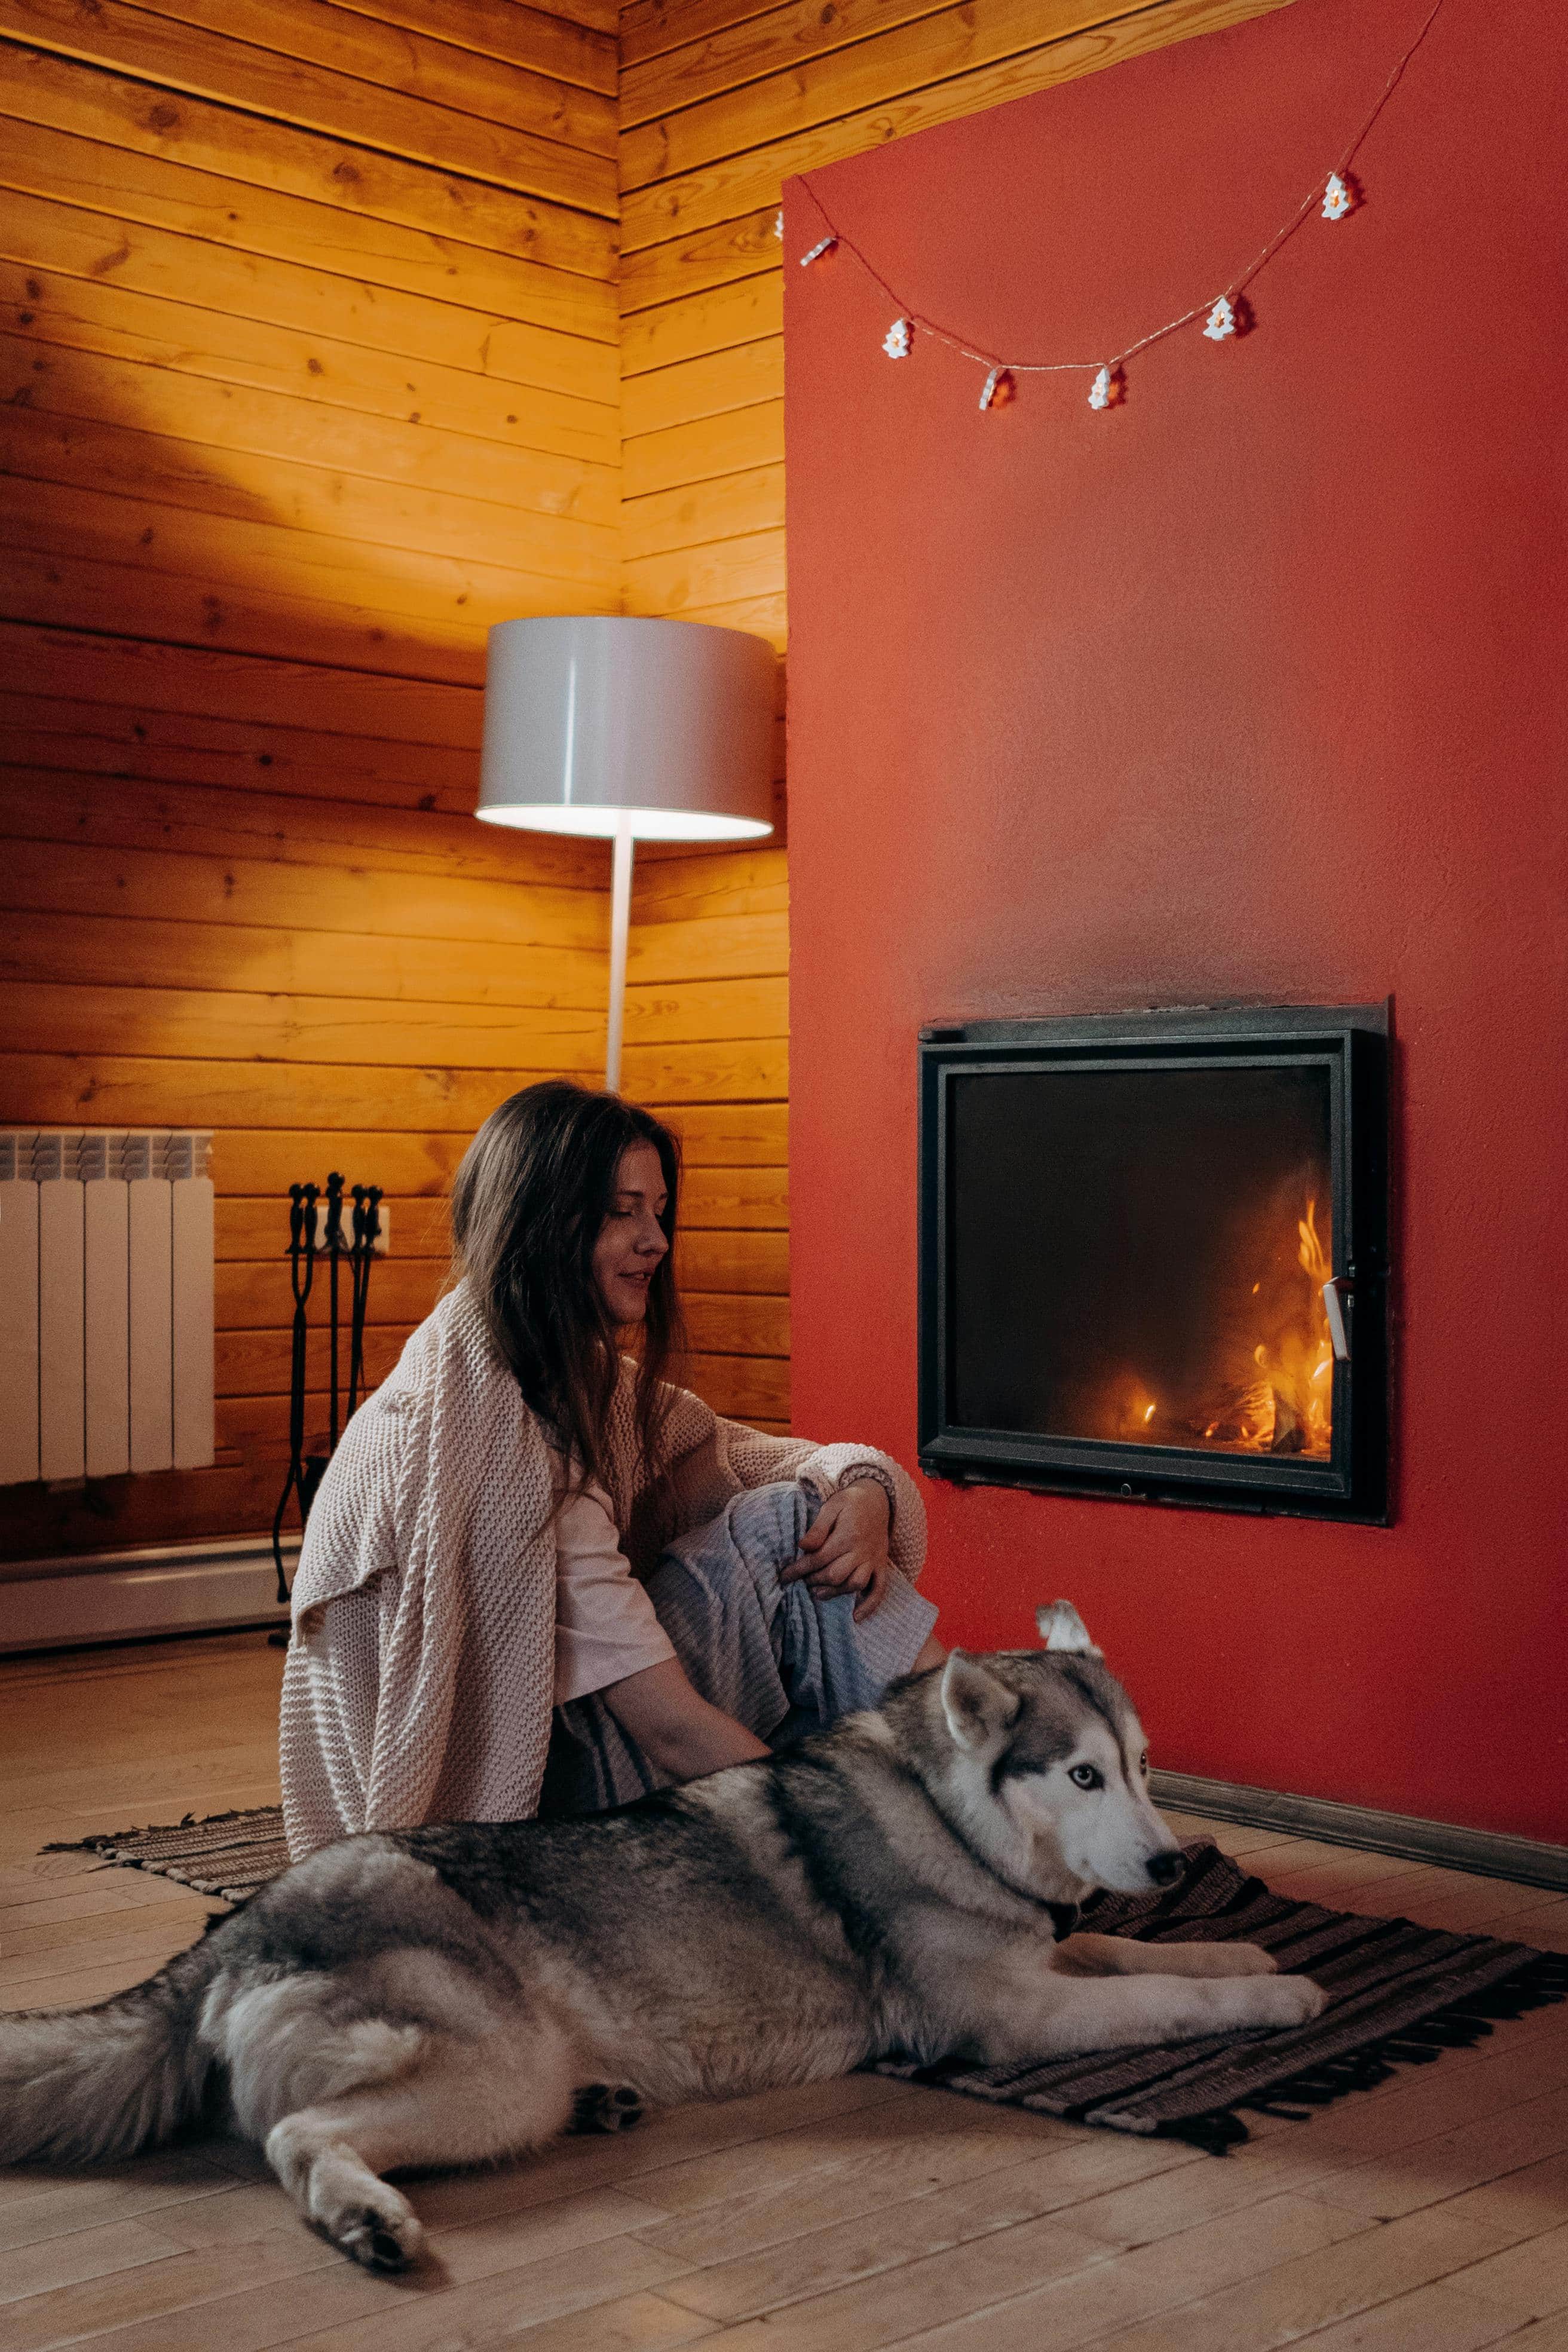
<point x="1489" y="1854"/>
<point x="135" y="1596"/>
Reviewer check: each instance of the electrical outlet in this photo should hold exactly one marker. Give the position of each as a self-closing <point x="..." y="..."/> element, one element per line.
<point x="380" y="1248"/>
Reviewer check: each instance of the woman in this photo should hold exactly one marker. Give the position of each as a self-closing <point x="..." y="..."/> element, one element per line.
<point x="531" y="1552"/>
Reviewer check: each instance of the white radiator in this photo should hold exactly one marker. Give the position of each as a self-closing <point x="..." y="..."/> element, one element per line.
<point x="106" y="1302"/>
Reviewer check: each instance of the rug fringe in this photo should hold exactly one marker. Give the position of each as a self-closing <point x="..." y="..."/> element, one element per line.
<point x="102" y="1839"/>
<point x="1541" y="1983"/>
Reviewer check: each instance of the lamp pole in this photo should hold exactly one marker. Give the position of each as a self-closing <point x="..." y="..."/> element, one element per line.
<point x="620" y="928"/>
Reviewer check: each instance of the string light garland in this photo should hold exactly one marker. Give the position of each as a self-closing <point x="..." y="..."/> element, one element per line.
<point x="1335" y="197"/>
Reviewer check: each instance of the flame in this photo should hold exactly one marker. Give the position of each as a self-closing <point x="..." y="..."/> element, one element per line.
<point x="1130" y="1408"/>
<point x="1276" y="1396"/>
<point x="1285" y="1405"/>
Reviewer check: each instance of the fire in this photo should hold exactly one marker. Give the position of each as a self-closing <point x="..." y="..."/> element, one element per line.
<point x="1131" y="1408"/>
<point x="1270" y="1389"/>
<point x="1286" y="1403"/>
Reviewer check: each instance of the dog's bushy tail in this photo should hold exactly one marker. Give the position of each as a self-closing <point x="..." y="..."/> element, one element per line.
<point x="75" y="2084"/>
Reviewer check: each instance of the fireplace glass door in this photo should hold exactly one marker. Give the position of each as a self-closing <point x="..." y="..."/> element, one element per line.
<point x="1154" y="1261"/>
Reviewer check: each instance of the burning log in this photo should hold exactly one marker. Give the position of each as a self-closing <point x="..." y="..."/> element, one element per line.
<point x="1281" y="1402"/>
<point x="1288" y="1437"/>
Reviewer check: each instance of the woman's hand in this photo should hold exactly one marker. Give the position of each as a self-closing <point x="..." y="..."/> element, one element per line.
<point x="845" y="1548"/>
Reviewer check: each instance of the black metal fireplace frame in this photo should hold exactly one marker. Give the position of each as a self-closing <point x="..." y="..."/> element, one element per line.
<point x="1350" y="1043"/>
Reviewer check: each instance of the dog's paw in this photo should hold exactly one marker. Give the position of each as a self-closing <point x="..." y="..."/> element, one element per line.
<point x="378" y="2237"/>
<point x="606" y="2108"/>
<point x="1240" y="1960"/>
<point x="363" y="2215"/>
<point x="1281" y="2000"/>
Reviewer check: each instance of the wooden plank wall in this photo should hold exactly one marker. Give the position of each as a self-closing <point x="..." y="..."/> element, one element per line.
<point x="308" y="338"/>
<point x="707" y="1021"/>
<point x="720" y="102"/>
<point x="323" y="981"/>
<point x="308" y="329"/>
<point x="318" y="358"/>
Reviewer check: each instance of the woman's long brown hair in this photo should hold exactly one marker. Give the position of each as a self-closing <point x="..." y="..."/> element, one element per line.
<point x="528" y="1204"/>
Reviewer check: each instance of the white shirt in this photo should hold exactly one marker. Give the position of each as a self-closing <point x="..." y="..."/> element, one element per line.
<point x="606" y="1626"/>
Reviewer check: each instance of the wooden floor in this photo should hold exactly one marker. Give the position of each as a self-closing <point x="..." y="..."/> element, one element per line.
<point x="1430" y="2215"/>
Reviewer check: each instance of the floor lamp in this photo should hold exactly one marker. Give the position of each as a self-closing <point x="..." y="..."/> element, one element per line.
<point x="629" y="731"/>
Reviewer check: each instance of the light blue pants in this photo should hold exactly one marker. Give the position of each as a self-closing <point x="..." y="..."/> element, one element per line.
<point x="765" y="1652"/>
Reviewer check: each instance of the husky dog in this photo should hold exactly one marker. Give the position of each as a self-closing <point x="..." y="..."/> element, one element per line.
<point x="452" y="1995"/>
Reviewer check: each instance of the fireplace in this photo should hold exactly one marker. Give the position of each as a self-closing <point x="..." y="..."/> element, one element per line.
<point x="1154" y="1259"/>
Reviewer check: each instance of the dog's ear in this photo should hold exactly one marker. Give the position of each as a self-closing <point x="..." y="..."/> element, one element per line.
<point x="978" y="1708"/>
<point x="1061" y="1627"/>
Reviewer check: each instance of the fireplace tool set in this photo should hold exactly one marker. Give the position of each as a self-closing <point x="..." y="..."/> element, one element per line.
<point x="318" y="1228"/>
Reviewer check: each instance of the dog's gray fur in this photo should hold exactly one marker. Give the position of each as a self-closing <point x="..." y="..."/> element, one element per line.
<point x="445" y="1996"/>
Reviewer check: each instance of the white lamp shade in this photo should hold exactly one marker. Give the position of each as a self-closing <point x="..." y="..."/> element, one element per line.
<point x="596" y="724"/>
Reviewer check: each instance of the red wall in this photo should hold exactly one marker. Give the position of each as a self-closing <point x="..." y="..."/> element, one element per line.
<point x="1252" y="688"/>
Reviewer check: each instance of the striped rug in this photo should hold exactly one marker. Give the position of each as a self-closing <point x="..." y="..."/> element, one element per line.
<point x="1398" y="1994"/>
<point x="229" y="1854"/>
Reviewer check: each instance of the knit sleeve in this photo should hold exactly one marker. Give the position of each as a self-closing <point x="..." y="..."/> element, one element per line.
<point x="756" y="1460"/>
<point x="350" y="1536"/>
<point x="421" y="1678"/>
<point x="332" y="1674"/>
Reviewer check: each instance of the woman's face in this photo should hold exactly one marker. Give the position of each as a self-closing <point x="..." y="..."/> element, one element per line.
<point x="631" y="1240"/>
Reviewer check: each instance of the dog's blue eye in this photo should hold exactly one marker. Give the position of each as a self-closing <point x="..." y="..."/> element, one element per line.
<point x="1084" y="1776"/>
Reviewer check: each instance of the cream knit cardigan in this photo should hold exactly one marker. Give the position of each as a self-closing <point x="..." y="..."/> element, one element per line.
<point x="420" y="1674"/>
